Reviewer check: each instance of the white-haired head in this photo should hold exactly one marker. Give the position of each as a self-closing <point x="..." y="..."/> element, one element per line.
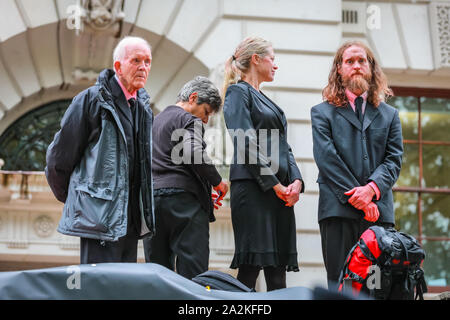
<point x="120" y="51"/>
<point x="132" y="62"/>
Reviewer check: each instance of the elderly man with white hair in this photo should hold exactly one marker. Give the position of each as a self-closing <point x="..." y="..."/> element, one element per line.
<point x="99" y="163"/>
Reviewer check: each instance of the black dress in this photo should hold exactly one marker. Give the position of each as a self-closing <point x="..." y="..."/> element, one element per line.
<point x="264" y="228"/>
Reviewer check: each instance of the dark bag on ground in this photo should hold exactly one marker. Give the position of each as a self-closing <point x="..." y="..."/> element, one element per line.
<point x="217" y="280"/>
<point x="385" y="264"/>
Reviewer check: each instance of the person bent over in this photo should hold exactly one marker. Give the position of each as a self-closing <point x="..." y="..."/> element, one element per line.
<point x="183" y="176"/>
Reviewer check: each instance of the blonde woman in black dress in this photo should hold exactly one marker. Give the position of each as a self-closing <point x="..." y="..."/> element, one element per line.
<point x="265" y="179"/>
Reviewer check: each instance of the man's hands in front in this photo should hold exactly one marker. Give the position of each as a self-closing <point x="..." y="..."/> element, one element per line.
<point x="371" y="212"/>
<point x="360" y="196"/>
<point x="361" y="199"/>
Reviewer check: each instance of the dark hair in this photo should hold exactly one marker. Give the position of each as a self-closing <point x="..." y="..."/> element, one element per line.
<point x="206" y="92"/>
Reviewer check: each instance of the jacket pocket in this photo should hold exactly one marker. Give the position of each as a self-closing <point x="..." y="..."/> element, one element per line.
<point x="91" y="209"/>
<point x="100" y="167"/>
<point x="378" y="135"/>
<point x="97" y="192"/>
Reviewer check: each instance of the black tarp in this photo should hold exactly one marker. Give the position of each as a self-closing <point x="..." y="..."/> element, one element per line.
<point x="125" y="281"/>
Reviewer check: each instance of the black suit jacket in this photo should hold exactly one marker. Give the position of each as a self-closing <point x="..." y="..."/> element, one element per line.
<point x="349" y="154"/>
<point x="267" y="160"/>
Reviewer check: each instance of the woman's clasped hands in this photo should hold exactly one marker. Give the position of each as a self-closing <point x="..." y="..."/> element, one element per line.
<point x="289" y="194"/>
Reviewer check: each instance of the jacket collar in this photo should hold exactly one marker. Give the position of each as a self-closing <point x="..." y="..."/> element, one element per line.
<point x="119" y="99"/>
<point x="369" y="115"/>
<point x="104" y="82"/>
<point x="272" y="105"/>
<point x="125" y="91"/>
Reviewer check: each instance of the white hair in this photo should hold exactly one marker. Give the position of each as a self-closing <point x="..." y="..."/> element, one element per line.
<point x="120" y="50"/>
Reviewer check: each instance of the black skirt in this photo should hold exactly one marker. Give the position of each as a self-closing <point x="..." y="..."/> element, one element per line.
<point x="264" y="228"/>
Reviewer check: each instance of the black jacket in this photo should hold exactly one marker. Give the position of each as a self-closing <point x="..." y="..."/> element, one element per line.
<point x="250" y="112"/>
<point x="90" y="160"/>
<point x="170" y="128"/>
<point x="349" y="155"/>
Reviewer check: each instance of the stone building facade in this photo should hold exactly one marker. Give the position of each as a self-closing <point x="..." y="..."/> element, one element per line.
<point x="51" y="50"/>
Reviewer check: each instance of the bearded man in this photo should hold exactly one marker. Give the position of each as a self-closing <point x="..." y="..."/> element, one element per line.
<point x="358" y="149"/>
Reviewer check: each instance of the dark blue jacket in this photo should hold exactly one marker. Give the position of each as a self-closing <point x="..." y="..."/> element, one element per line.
<point x="88" y="165"/>
<point x="349" y="154"/>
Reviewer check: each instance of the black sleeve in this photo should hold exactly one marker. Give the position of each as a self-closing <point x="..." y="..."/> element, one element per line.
<point x="68" y="146"/>
<point x="387" y="173"/>
<point x="198" y="158"/>
<point x="294" y="171"/>
<point x="338" y="176"/>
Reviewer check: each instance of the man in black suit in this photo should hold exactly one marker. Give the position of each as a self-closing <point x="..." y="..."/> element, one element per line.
<point x="99" y="163"/>
<point x="358" y="149"/>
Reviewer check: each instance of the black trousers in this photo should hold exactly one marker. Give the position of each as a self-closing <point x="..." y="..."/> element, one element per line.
<point x="181" y="241"/>
<point x="96" y="251"/>
<point x="123" y="250"/>
<point x="338" y="236"/>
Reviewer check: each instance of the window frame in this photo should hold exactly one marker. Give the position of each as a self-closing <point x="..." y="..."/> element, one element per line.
<point x="418" y="93"/>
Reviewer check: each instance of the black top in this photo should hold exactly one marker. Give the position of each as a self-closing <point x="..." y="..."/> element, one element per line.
<point x="247" y="110"/>
<point x="182" y="171"/>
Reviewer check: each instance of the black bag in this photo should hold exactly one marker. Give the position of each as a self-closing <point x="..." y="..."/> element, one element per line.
<point x="218" y="280"/>
<point x="396" y="257"/>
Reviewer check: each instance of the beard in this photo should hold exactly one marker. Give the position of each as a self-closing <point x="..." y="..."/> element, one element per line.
<point x="357" y="83"/>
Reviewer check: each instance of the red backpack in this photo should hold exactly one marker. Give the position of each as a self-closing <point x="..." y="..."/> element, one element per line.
<point x="384" y="264"/>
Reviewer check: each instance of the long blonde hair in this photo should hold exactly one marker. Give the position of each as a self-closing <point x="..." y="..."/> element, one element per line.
<point x="239" y="62"/>
<point x="334" y="92"/>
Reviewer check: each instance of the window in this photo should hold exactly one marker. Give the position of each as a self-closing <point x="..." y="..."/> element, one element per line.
<point x="24" y="144"/>
<point x="422" y="192"/>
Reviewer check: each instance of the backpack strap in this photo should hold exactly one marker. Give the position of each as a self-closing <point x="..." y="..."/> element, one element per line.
<point x="386" y="253"/>
<point x="347" y="261"/>
<point x="366" y="251"/>
<point x="355" y="277"/>
<point x="403" y="245"/>
<point x="421" y="285"/>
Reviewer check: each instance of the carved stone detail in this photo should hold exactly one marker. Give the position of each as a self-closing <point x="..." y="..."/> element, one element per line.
<point x="44" y="226"/>
<point x="440" y="21"/>
<point x="102" y="14"/>
<point x="17" y="244"/>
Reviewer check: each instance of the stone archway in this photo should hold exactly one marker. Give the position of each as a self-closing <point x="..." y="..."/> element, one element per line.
<point x="43" y="60"/>
<point x="53" y="54"/>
